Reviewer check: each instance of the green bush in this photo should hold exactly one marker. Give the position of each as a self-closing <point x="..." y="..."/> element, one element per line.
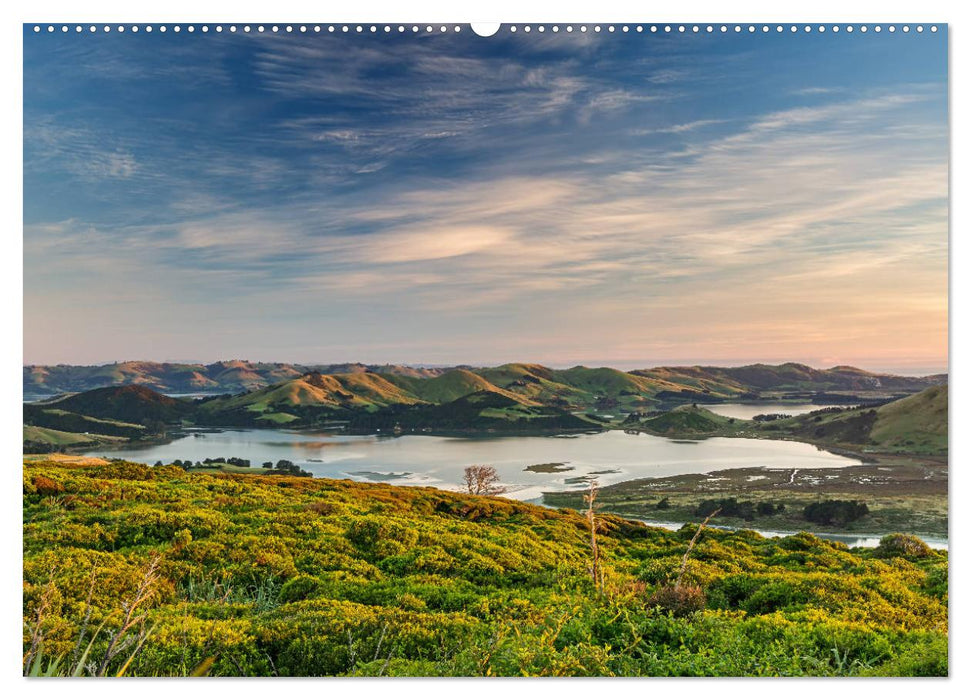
<point x="299" y="588"/>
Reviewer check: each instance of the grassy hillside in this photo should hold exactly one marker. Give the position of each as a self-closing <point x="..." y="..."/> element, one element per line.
<point x="446" y="387"/>
<point x="536" y="383"/>
<point x="72" y="422"/>
<point x="219" y="377"/>
<point x="791" y="376"/>
<point x="375" y="389"/>
<point x="704" y="380"/>
<point x="438" y="401"/>
<point x="349" y="391"/>
<point x="691" y="420"/>
<point x="576" y="388"/>
<point x="60" y="419"/>
<point x="48" y="438"/>
<point x="612" y="382"/>
<point x="483" y="411"/>
<point x="916" y="424"/>
<point x="131" y="404"/>
<point x="260" y="576"/>
<point x="580" y="386"/>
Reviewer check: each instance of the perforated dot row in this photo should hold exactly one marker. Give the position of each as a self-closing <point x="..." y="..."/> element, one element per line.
<point x="387" y="29"/>
<point x="709" y="28"/>
<point x="259" y="28"/>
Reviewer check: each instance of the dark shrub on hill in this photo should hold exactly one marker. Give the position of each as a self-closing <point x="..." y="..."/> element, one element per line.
<point x="47" y="487"/>
<point x="733" y="508"/>
<point x="285" y="466"/>
<point x="900" y="545"/>
<point x="766" y="417"/>
<point x="680" y="601"/>
<point x="38" y="448"/>
<point x="835" y="512"/>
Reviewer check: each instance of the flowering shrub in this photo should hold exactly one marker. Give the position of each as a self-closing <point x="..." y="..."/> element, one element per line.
<point x="279" y="575"/>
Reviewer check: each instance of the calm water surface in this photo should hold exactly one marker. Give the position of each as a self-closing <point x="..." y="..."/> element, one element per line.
<point x="424" y="460"/>
<point x="747" y="411"/>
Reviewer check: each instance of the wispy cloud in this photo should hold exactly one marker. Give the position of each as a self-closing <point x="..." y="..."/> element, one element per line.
<point x="372" y="192"/>
<point x="81" y="152"/>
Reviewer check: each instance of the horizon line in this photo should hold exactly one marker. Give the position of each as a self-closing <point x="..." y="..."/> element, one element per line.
<point x="915" y="368"/>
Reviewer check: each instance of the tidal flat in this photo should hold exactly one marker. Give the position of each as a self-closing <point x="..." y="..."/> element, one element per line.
<point x="902" y="493"/>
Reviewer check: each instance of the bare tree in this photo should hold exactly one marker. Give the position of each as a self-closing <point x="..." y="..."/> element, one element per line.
<point x="122" y="638"/>
<point x="590" y="498"/>
<point x="482" y="480"/>
<point x="691" y="545"/>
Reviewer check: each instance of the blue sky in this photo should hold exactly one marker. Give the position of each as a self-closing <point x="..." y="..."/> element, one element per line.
<point x="623" y="199"/>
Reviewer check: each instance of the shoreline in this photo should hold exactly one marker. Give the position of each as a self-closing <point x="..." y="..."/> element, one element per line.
<point x="908" y="492"/>
<point x="935" y="541"/>
<point x="902" y="494"/>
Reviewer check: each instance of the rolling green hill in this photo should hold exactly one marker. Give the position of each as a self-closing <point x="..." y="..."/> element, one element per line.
<point x="231" y="376"/>
<point x="131" y="404"/>
<point x="704" y="381"/>
<point x="916" y="424"/>
<point x="48" y="439"/>
<point x="536" y="383"/>
<point x="791" y="376"/>
<point x="577" y="385"/>
<point x="100" y="416"/>
<point x="417" y="399"/>
<point x="482" y="411"/>
<point x="375" y="388"/>
<point x="337" y="394"/>
<point x="284" y="576"/>
<point x="604" y="381"/>
<point x="60" y="419"/>
<point x="918" y="421"/>
<point x="690" y="420"/>
<point x="451" y="385"/>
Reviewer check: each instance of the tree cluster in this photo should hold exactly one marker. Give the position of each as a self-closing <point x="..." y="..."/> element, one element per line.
<point x="235" y="461"/>
<point x="733" y="508"/>
<point x="835" y="512"/>
<point x="285" y="466"/>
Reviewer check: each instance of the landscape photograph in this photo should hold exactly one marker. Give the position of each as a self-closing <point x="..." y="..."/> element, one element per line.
<point x="605" y="350"/>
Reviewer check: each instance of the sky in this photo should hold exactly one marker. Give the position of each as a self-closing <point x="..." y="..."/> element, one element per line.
<point x="604" y="199"/>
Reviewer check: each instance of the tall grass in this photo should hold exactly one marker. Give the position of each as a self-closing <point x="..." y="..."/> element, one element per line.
<point x="128" y="638"/>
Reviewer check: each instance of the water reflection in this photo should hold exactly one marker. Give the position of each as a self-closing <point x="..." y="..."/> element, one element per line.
<point x="611" y="456"/>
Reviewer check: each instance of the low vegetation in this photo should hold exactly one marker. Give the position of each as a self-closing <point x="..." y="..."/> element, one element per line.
<point x="155" y="571"/>
<point x="909" y="495"/>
